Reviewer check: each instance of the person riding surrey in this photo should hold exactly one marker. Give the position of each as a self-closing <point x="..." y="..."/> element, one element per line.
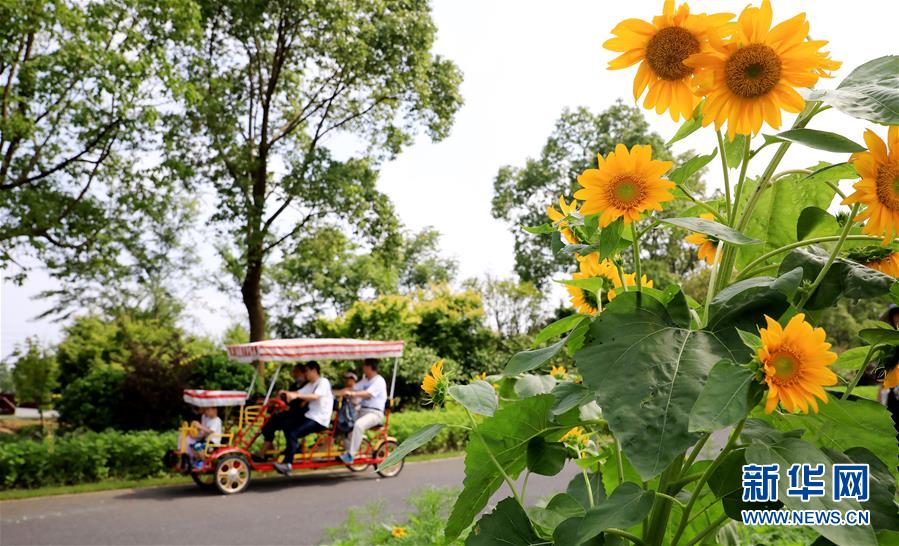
<point x="317" y="392"/>
<point x="210" y="429"/>
<point x="294" y="412"/>
<point x="372" y="391"/>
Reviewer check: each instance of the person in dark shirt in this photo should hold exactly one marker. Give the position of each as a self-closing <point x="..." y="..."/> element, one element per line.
<point x="296" y="408"/>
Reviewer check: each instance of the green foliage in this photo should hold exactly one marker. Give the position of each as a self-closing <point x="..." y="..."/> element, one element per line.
<point x="404" y="424"/>
<point x="35" y="374"/>
<point x="506" y="524"/>
<point x="93" y="401"/>
<point x="868" y="92"/>
<point x="371" y="524"/>
<point x="218" y="372"/>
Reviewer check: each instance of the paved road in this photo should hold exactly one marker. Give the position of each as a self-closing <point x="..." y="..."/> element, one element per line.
<point x="276" y="510"/>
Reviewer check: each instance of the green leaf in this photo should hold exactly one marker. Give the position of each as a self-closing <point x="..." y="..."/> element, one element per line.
<point x="647" y="372"/>
<point x="626" y="506"/>
<point x="689" y="126"/>
<point x="815" y="221"/>
<point x="593" y="284"/>
<point x="570" y="395"/>
<point x="870" y="92"/>
<point x="559" y="508"/>
<point x="752" y="341"/>
<point x="546" y="458"/>
<point x="506" y="434"/>
<point x="876" y="336"/>
<point x="774" y="218"/>
<point x="789" y="451"/>
<point x="577" y="488"/>
<point x="726" y="482"/>
<point x="709" y="227"/>
<point x="844" y="279"/>
<point x="691" y="167"/>
<point x="725" y="398"/>
<point x="506" y="524"/>
<point x="526" y="361"/>
<point x="542" y="229"/>
<point x="559" y="327"/>
<point x="733" y="150"/>
<point x="843" y="424"/>
<point x="821" y="140"/>
<point x="413" y="442"/>
<point x="477" y="397"/>
<point x="882" y="487"/>
<point x="851" y="359"/>
<point x="609" y="238"/>
<point x="530" y="385"/>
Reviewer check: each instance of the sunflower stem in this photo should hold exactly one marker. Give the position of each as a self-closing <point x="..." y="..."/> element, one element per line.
<point x="709" y="530"/>
<point x="502" y="471"/>
<point x="637" y="269"/>
<point x="619" y="463"/>
<point x="713" y="275"/>
<point x="741" y="181"/>
<point x="751" y="267"/>
<point x="725" y="170"/>
<point x="830" y="259"/>
<point x="685" y="515"/>
<point x="858" y="374"/>
<point x="695" y="453"/>
<point x="706" y="206"/>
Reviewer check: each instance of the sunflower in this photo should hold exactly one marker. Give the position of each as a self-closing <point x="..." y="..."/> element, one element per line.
<point x="398" y="532"/>
<point x="625" y="184"/>
<point x="879" y="187"/>
<point x="630" y="279"/>
<point x="795" y="360"/>
<point x="585" y="301"/>
<point x="556" y="216"/>
<point x="435" y="383"/>
<point x="479" y="377"/>
<point x="706" y="243"/>
<point x="883" y="259"/>
<point x="558" y="372"/>
<point x="752" y="75"/>
<point x="661" y="48"/>
<point x="891" y="379"/>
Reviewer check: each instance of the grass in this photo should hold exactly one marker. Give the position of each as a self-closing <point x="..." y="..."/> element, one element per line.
<point x="106" y="485"/>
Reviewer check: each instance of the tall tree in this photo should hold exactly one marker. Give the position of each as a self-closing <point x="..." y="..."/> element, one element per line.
<point x="512" y="307"/>
<point x="521" y="194"/>
<point x="35" y="375"/>
<point x="272" y="83"/>
<point x="80" y="90"/>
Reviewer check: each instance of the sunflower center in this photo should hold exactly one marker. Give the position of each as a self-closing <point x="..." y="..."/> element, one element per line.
<point x="752" y="71"/>
<point x="626" y="192"/>
<point x="786" y="367"/>
<point x="590" y="299"/>
<point x="888" y="186"/>
<point x="667" y="50"/>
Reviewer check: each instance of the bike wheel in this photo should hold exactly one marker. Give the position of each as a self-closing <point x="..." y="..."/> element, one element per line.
<point x="383" y="450"/>
<point x="363" y="453"/>
<point x="204" y="481"/>
<point x="232" y="474"/>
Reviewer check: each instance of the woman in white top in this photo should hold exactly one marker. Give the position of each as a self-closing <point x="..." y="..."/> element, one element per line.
<point x="317" y="392"/>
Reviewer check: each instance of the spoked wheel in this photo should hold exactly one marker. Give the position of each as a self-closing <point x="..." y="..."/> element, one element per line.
<point x="204" y="481"/>
<point x="385" y="448"/>
<point x="232" y="474"/>
<point x="363" y="453"/>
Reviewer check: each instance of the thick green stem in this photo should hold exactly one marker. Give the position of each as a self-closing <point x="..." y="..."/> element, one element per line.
<point x="726" y="172"/>
<point x="624" y="534"/>
<point x="706" y="206"/>
<point x="830" y="259"/>
<point x="750" y="268"/>
<point x="637" y="269"/>
<point x="695" y="453"/>
<point x="502" y="471"/>
<point x="741" y="181"/>
<point x="661" y="506"/>
<point x="858" y="374"/>
<point x="685" y="516"/>
<point x="619" y="463"/>
<point x="713" y="276"/>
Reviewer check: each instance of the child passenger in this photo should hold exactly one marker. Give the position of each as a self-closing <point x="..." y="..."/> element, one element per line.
<point x="210" y="430"/>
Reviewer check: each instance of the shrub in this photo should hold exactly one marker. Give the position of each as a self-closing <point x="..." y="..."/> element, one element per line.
<point x="93" y="401"/>
<point x="403" y="424"/>
<point x="217" y="372"/>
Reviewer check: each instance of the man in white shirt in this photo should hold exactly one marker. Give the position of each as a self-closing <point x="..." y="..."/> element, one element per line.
<point x="372" y="392"/>
<point x="317" y="392"/>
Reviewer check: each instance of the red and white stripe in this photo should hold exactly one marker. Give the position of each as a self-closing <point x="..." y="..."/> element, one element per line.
<point x="304" y="350"/>
<point x="205" y="399"/>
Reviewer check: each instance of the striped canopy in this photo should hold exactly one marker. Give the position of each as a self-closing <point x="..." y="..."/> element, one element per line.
<point x="304" y="350"/>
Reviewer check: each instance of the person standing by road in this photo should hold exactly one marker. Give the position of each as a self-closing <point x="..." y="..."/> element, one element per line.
<point x="372" y="393"/>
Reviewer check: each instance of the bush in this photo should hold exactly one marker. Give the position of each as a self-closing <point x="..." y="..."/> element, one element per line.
<point x="218" y="372"/>
<point x="84" y="457"/>
<point x="93" y="401"/>
<point x="403" y="424"/>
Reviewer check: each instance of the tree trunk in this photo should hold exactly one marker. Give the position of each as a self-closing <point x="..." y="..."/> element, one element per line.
<point x="252" y="300"/>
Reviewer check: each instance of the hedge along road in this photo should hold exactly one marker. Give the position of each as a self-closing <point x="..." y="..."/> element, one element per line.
<point x="276" y="510"/>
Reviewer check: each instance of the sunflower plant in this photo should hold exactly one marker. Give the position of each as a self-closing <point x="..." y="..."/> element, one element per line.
<point x="674" y="395"/>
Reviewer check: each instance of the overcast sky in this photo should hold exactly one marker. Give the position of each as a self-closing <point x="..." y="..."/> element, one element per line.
<point x="523" y="63"/>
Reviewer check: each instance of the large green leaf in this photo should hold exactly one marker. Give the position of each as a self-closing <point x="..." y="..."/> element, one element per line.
<point x="506" y="524"/>
<point x="820" y="140"/>
<point x="526" y="361"/>
<point x="577" y="488"/>
<point x="789" y="451"/>
<point x="876" y="336"/>
<point x="774" y="218"/>
<point x="709" y="227"/>
<point x="610" y="238"/>
<point x="733" y="150"/>
<point x="815" y="222"/>
<point x="690" y="167"/>
<point x="727" y="484"/>
<point x="546" y="458"/>
<point x="559" y="508"/>
<point x="845" y="278"/>
<point x="870" y="92"/>
<point x="851" y="359"/>
<point x="506" y="434"/>
<point x="478" y="397"/>
<point x="690" y="126"/>
<point x="531" y="385"/>
<point x="570" y="395"/>
<point x="413" y="442"/>
<point x="725" y="398"/>
<point x="557" y="328"/>
<point x="626" y="506"/>
<point x="882" y="487"/>
<point x="647" y="371"/>
<point x="843" y="424"/>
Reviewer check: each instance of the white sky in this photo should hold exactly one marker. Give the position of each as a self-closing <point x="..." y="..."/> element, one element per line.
<point x="524" y="61"/>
